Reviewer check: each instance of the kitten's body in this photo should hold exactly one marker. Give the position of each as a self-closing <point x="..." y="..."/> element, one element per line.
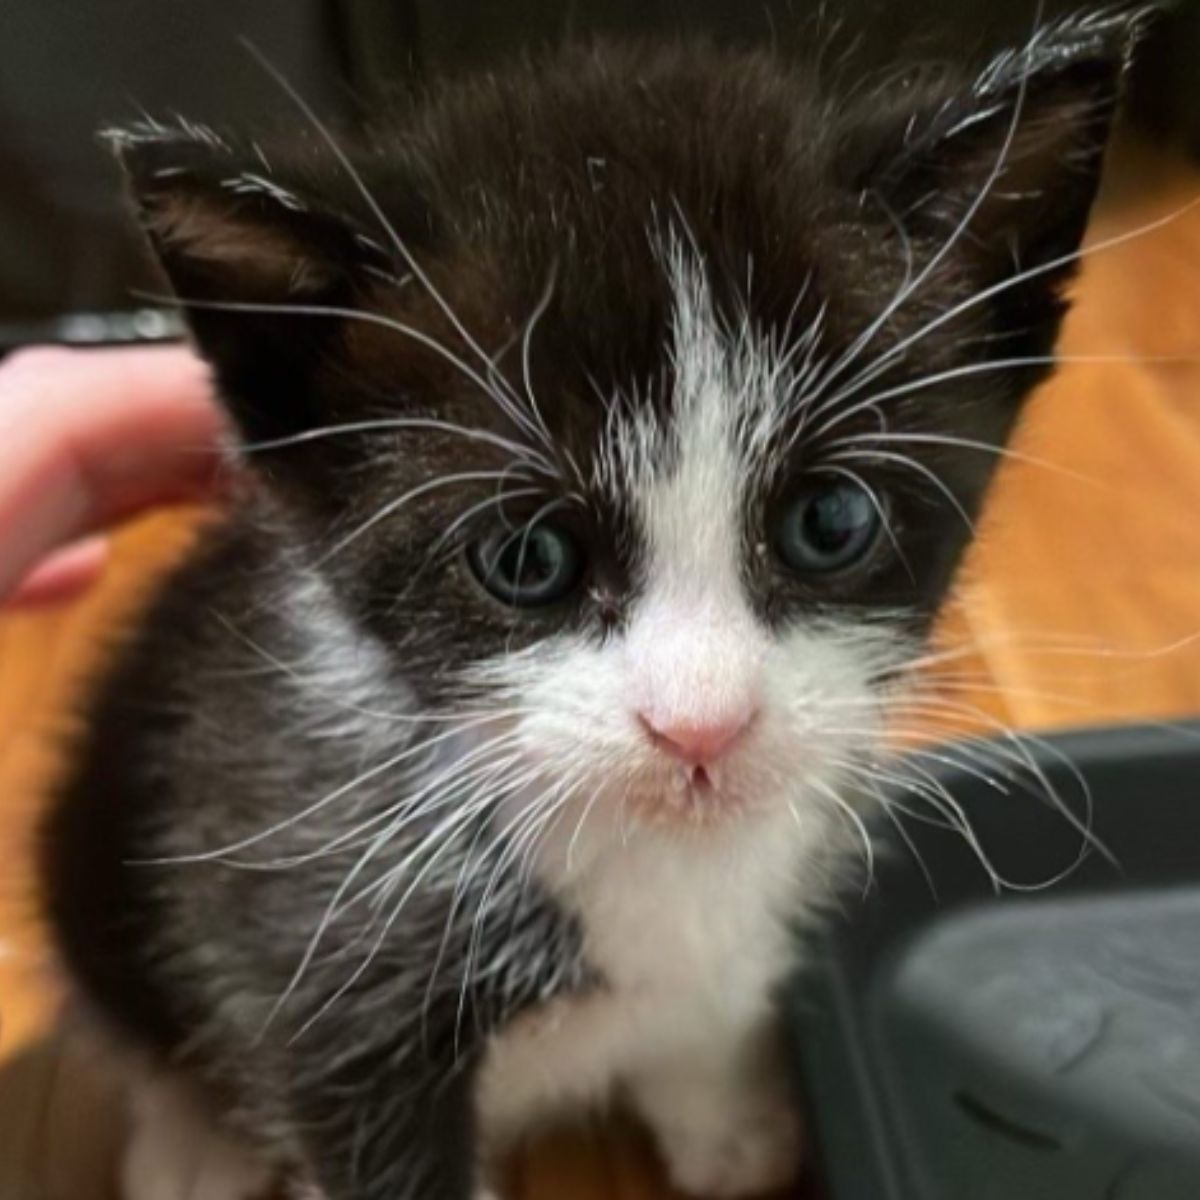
<point x="384" y="855"/>
<point x="667" y="917"/>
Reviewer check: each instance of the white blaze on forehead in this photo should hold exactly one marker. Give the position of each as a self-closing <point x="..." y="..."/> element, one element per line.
<point x="694" y="643"/>
<point x="691" y="499"/>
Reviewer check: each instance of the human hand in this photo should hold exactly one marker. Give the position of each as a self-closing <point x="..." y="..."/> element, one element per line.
<point x="87" y="438"/>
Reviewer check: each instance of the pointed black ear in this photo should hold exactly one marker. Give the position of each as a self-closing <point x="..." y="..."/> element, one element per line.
<point x="246" y="240"/>
<point x="1008" y="165"/>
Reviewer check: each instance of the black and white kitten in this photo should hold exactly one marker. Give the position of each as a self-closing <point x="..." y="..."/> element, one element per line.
<point x="611" y="428"/>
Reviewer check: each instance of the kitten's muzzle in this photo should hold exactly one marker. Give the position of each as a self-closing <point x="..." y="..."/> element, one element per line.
<point x="698" y="744"/>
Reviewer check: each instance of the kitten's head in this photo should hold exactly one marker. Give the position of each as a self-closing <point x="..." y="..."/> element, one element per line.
<point x="641" y="400"/>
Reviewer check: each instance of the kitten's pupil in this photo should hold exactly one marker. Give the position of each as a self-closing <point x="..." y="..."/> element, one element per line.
<point x="828" y="528"/>
<point x="530" y="566"/>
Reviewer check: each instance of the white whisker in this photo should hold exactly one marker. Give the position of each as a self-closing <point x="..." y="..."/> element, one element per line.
<point x="967" y="371"/>
<point x="373" y="204"/>
<point x="984" y="295"/>
<point x="393" y="506"/>
<point x="525" y="454"/>
<point x="912" y="464"/>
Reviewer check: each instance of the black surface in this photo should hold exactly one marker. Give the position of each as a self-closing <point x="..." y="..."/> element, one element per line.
<point x="1038" y="1044"/>
<point x="68" y="242"/>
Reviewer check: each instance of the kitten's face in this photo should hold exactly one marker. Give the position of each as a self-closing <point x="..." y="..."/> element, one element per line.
<point x="638" y="411"/>
<point x="708" y="607"/>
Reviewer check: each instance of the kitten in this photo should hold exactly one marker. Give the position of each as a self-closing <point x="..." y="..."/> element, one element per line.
<point x="610" y="429"/>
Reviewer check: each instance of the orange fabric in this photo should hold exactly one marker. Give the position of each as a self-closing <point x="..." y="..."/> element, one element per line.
<point x="1099" y="548"/>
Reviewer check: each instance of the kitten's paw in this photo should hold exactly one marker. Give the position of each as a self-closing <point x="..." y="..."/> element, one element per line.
<point x="735" y="1153"/>
<point x="174" y="1153"/>
<point x="224" y="1173"/>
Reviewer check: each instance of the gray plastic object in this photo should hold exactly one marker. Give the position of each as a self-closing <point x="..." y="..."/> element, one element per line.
<point x="1039" y="1045"/>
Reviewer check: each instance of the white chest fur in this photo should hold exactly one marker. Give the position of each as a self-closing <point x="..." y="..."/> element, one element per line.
<point x="690" y="936"/>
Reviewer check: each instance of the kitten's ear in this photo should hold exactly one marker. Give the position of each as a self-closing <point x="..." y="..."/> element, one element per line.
<point x="246" y="241"/>
<point x="1016" y="158"/>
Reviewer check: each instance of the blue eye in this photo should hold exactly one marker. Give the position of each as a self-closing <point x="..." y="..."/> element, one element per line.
<point x="527" y="567"/>
<point x="828" y="528"/>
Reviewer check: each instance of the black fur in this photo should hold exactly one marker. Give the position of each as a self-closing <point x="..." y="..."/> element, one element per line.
<point x="543" y="180"/>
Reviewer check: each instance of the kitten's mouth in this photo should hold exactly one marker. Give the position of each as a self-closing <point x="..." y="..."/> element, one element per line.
<point x="696" y="792"/>
<point x="699" y="779"/>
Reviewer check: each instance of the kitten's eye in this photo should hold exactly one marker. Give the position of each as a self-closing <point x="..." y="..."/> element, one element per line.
<point x="527" y="567"/>
<point x="829" y="528"/>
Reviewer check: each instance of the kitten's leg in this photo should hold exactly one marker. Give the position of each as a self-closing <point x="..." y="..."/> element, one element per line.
<point x="175" y="1152"/>
<point x="724" y="1118"/>
<point x="385" y="1103"/>
<point x="379" y="1120"/>
<point x="374" y="1149"/>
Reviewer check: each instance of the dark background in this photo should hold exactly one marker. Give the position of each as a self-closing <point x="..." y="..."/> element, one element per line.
<point x="67" y="67"/>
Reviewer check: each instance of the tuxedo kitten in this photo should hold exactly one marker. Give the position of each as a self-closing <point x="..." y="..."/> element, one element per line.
<point x="608" y="430"/>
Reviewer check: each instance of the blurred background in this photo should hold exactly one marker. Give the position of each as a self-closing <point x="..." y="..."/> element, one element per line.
<point x="1080" y="604"/>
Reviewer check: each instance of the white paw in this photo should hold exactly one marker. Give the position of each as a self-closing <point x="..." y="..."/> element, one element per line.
<point x="757" y="1149"/>
<point x="175" y="1153"/>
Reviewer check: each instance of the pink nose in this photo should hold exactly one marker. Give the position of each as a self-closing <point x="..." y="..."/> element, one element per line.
<point x="697" y="742"/>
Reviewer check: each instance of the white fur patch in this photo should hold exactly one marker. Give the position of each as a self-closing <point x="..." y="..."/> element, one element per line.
<point x="694" y="651"/>
<point x="175" y="1152"/>
<point x="685" y="900"/>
